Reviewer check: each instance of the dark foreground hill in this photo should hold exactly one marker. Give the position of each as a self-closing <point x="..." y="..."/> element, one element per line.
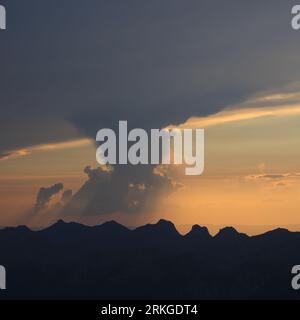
<point x="70" y="260"/>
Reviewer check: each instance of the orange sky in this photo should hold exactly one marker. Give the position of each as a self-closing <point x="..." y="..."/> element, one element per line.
<point x="251" y="177"/>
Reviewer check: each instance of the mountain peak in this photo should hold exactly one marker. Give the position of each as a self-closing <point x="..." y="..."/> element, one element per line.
<point x="113" y="225"/>
<point x="198" y="232"/>
<point x="163" y="222"/>
<point x="162" y="228"/>
<point x="60" y="222"/>
<point x="229" y="233"/>
<point x="279" y="232"/>
<point x="62" y="226"/>
<point x="197" y="228"/>
<point x="17" y="229"/>
<point x="166" y="225"/>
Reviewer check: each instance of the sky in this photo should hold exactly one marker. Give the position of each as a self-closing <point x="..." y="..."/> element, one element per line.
<point x="69" y="69"/>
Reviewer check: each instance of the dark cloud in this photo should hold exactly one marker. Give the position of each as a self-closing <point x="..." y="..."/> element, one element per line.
<point x="44" y="196"/>
<point x="121" y="189"/>
<point x="294" y="176"/>
<point x="69" y="66"/>
<point x="271" y="176"/>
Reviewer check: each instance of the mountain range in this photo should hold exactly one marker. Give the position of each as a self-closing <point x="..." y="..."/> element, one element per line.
<point x="109" y="261"/>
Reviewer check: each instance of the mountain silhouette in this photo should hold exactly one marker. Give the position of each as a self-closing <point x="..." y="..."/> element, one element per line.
<point x="198" y="233"/>
<point x="109" y="261"/>
<point x="162" y="233"/>
<point x="229" y="233"/>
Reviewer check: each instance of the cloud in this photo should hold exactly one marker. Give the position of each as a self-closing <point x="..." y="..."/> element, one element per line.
<point x="152" y="64"/>
<point x="44" y="196"/>
<point x="13" y="154"/>
<point x="123" y="189"/>
<point x="66" y="196"/>
<point x="100" y="173"/>
<point x="46" y="147"/>
<point x="279" y="180"/>
<point x="4" y="155"/>
<point x="245" y="112"/>
<point x="271" y="176"/>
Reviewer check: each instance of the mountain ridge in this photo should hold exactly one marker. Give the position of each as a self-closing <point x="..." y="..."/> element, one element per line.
<point x="161" y="224"/>
<point x="69" y="260"/>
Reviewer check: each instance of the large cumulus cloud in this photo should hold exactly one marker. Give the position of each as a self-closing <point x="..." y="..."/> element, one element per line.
<point x="120" y="189"/>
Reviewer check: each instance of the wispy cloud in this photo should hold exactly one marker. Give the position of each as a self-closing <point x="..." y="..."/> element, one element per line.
<point x="276" y="179"/>
<point x="265" y="105"/>
<point x="242" y="114"/>
<point x="73" y="144"/>
<point x="13" y="154"/>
